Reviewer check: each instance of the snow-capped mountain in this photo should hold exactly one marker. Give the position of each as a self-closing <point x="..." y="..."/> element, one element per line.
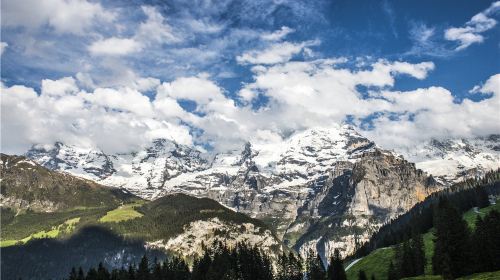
<point x="452" y="160"/>
<point x="322" y="188"/>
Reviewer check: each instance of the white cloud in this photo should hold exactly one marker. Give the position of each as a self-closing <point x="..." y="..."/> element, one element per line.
<point x="198" y="89"/>
<point x="152" y="31"/>
<point x="116" y="120"/>
<point x="115" y="46"/>
<point x="275" y="53"/>
<point x="301" y="95"/>
<point x="432" y="113"/>
<point x="3" y="46"/>
<point x="64" y="16"/>
<point x="278" y="34"/>
<point x="155" y="29"/>
<point x="64" y="86"/>
<point x="471" y="32"/>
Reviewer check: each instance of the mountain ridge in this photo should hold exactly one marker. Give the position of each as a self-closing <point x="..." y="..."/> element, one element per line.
<point x="288" y="186"/>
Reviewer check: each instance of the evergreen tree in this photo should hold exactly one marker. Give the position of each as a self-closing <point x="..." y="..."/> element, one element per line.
<point x="201" y="266"/>
<point x="143" y="269"/>
<point x="492" y="222"/>
<point x="157" y="273"/>
<point x="483" y="260"/>
<point x="451" y="245"/>
<point x="81" y="274"/>
<point x="73" y="275"/>
<point x="362" y="275"/>
<point x="336" y="268"/>
<point x="102" y="272"/>
<point x="418" y="251"/>
<point x="392" y="273"/>
<point x="131" y="272"/>
<point x="314" y="266"/>
<point x="289" y="267"/>
<point x="91" y="274"/>
<point x="406" y="268"/>
<point x="179" y="269"/>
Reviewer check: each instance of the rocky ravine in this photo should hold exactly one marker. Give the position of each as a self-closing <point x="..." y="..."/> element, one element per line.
<point x="321" y="188"/>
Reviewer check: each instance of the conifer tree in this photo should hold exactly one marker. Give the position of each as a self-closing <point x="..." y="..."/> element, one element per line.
<point x="405" y="267"/>
<point x="314" y="266"/>
<point x="336" y="268"/>
<point x="72" y="274"/>
<point x="362" y="275"/>
<point x="392" y="273"/>
<point x="102" y="272"/>
<point x="418" y="251"/>
<point x="91" y="274"/>
<point x="81" y="274"/>
<point x="131" y="272"/>
<point x="143" y="269"/>
<point x="452" y="244"/>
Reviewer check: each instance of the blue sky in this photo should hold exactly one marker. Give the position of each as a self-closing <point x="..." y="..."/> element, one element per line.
<point x="267" y="66"/>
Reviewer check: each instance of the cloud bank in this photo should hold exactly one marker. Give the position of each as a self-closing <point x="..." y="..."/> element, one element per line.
<point x="300" y="95"/>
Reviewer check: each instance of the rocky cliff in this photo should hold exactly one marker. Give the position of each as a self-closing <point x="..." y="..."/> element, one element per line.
<point x="324" y="188"/>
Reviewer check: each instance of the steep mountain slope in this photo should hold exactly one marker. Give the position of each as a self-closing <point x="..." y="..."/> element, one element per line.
<point x="38" y="203"/>
<point x="359" y="199"/>
<point x="308" y="185"/>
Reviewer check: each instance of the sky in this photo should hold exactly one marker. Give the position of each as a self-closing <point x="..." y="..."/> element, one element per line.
<point x="214" y="74"/>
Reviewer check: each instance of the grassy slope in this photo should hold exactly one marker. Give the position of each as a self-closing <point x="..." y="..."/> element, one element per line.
<point x="17" y="227"/>
<point x="378" y="261"/>
<point x="122" y="213"/>
<point x="478" y="276"/>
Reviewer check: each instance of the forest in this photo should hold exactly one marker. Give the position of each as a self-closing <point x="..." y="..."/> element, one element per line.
<point x="458" y="249"/>
<point x="220" y="262"/>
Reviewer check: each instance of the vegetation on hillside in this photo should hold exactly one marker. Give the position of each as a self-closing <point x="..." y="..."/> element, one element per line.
<point x="462" y="199"/>
<point x="26" y="185"/>
<point x="220" y="262"/>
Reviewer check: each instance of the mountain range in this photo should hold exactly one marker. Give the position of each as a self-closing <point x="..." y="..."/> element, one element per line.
<point x="320" y="189"/>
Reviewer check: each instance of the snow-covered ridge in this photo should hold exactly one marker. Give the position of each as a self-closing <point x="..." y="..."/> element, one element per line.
<point x="452" y="160"/>
<point x="165" y="165"/>
<point x="312" y="180"/>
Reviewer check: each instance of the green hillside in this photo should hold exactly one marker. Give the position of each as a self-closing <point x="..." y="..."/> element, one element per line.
<point x="377" y="262"/>
<point x="478" y="276"/>
<point x="40" y="203"/>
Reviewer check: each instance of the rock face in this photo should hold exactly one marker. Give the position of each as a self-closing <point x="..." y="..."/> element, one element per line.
<point x="321" y="188"/>
<point x="198" y="235"/>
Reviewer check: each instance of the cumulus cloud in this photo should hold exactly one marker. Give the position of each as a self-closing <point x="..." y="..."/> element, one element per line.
<point x="115" y="46"/>
<point x="300" y="94"/>
<point x="116" y="120"/>
<point x="276" y="53"/>
<point x="470" y="33"/>
<point x="64" y="16"/>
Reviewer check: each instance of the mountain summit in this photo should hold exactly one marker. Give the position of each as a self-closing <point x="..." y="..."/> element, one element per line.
<point x="321" y="188"/>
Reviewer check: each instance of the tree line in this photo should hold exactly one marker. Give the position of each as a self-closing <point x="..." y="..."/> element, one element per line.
<point x="458" y="249"/>
<point x="220" y="262"/>
<point x="420" y="218"/>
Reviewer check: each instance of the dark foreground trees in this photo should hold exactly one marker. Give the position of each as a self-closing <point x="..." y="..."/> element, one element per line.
<point x="222" y="263"/>
<point x="458" y="249"/>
